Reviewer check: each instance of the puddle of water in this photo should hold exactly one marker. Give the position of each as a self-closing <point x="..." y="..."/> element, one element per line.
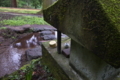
<point x="29" y="41"/>
<point x="10" y="60"/>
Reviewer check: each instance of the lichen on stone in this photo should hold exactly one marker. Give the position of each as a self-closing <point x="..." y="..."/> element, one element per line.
<point x="112" y="9"/>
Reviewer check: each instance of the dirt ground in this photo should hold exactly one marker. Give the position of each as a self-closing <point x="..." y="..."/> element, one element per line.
<point x="8" y="37"/>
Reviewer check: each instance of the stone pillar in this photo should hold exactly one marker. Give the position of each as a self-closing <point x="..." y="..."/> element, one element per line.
<point x="95" y="34"/>
<point x="90" y="66"/>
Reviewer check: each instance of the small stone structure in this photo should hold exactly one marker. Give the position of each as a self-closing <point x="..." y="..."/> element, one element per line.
<point x="94" y="27"/>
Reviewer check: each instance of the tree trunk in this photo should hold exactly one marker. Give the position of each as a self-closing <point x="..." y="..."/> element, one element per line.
<point x="14" y="3"/>
<point x="35" y="7"/>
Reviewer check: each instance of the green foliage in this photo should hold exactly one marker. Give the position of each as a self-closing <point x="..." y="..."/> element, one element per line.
<point x="29" y="71"/>
<point x="13" y="37"/>
<point x="40" y="2"/>
<point x="22" y="3"/>
<point x="22" y="20"/>
<point x="14" y="77"/>
<point x="5" y="3"/>
<point x="29" y="3"/>
<point x="35" y="3"/>
<point x="3" y="28"/>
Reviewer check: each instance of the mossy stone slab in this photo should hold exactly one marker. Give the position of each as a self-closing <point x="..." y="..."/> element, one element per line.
<point x="95" y="24"/>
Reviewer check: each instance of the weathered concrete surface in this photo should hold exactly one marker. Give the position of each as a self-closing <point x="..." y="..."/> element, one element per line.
<point x="62" y="61"/>
<point x="89" y="66"/>
<point x="49" y="59"/>
<point x="93" y="24"/>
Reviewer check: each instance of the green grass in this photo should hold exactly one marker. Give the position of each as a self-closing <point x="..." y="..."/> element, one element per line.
<point x="2" y="28"/>
<point x="22" y="20"/>
<point x="17" y="10"/>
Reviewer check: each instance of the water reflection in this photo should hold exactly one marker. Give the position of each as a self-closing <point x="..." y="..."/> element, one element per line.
<point x="10" y="60"/>
<point x="29" y="41"/>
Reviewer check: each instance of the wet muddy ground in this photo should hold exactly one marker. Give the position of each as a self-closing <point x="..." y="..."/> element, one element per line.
<point x="14" y="44"/>
<point x="10" y="55"/>
<point x="13" y="47"/>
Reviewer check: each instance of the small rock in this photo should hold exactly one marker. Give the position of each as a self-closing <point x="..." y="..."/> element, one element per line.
<point x="48" y="37"/>
<point x="46" y="33"/>
<point x="50" y="29"/>
<point x="27" y="26"/>
<point x="66" y="45"/>
<point x="20" y="29"/>
<point x="17" y="29"/>
<point x="37" y="29"/>
<point x="34" y="53"/>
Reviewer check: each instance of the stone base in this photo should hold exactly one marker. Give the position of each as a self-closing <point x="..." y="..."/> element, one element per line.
<point x="89" y="66"/>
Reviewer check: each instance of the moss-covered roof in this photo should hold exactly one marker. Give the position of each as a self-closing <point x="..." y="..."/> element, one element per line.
<point x="112" y="8"/>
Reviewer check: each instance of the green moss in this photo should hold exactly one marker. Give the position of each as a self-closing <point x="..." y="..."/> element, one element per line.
<point x="56" y="20"/>
<point x="102" y="23"/>
<point x="112" y="9"/>
<point x="99" y="17"/>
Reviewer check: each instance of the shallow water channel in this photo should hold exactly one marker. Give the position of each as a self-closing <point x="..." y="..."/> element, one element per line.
<point x="10" y="60"/>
